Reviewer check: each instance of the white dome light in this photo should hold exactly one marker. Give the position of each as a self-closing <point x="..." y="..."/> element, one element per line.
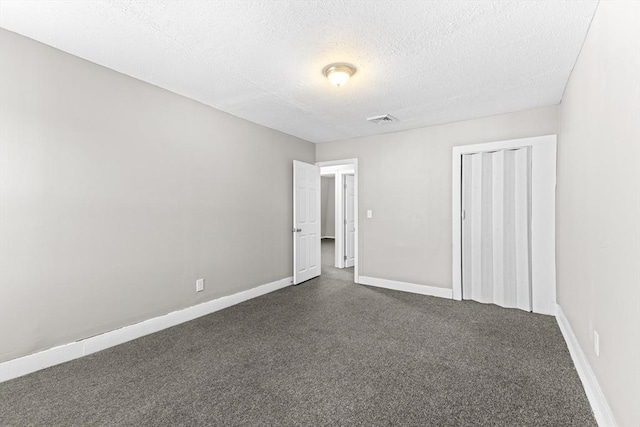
<point x="339" y="74"/>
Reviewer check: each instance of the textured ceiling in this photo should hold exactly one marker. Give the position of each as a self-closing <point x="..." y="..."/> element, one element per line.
<point x="423" y="62"/>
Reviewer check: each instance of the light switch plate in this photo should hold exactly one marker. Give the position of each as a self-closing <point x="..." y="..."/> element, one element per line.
<point x="199" y="285"/>
<point x="369" y="213"/>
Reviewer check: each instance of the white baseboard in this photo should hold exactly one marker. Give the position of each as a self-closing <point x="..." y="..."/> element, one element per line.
<point x="406" y="287"/>
<point x="599" y="406"/>
<point x="64" y="353"/>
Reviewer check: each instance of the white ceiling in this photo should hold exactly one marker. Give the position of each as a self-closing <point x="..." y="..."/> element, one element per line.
<point x="423" y="62"/>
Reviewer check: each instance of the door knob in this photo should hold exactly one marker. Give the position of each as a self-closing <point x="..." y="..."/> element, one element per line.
<point x="296" y="230"/>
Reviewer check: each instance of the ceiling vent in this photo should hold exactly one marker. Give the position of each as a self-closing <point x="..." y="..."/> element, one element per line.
<point x="382" y="119"/>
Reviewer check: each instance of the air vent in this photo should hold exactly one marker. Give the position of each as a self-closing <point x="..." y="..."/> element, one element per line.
<point x="382" y="119"/>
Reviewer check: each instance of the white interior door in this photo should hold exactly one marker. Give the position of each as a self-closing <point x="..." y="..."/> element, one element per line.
<point x="349" y="221"/>
<point x="306" y="221"/>
<point x="496" y="218"/>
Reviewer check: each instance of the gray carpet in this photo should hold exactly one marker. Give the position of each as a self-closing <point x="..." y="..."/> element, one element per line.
<point x="327" y="352"/>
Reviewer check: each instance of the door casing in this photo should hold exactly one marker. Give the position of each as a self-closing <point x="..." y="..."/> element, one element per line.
<point x="353" y="163"/>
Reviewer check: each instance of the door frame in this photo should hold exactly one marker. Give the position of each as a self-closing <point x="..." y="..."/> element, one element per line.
<point x="543" y="182"/>
<point x="339" y="228"/>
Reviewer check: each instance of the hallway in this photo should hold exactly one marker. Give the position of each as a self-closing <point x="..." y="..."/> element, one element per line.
<point x="328" y="262"/>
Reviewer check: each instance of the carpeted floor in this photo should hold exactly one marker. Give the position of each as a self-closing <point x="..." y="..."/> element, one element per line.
<point x="326" y="352"/>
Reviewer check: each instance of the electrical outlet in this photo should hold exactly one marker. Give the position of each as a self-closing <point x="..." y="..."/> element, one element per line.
<point x="596" y="343"/>
<point x="199" y="285"/>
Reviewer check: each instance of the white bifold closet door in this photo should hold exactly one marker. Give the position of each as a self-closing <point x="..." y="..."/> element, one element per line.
<point x="496" y="212"/>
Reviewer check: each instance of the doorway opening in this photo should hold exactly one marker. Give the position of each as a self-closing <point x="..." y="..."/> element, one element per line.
<point x="339" y="217"/>
<point x="503" y="223"/>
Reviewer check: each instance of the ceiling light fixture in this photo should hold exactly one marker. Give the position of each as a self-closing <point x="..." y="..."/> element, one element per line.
<point x="339" y="73"/>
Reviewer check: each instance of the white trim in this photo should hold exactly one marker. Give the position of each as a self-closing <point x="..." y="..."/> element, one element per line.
<point x="542" y="216"/>
<point x="338" y="171"/>
<point x="34" y="362"/>
<point x="599" y="406"/>
<point x="339" y="261"/>
<point x="337" y="162"/>
<point x="332" y="171"/>
<point x="66" y="352"/>
<point x="433" y="291"/>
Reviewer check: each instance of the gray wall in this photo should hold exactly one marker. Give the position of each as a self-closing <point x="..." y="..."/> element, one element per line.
<point x="405" y="178"/>
<point x="328" y="214"/>
<point x="598" y="206"/>
<point x="324" y="183"/>
<point x="117" y="195"/>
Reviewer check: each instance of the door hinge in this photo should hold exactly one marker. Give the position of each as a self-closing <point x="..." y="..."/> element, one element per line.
<point x="345" y="257"/>
<point x="464" y="214"/>
<point x="345" y="222"/>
